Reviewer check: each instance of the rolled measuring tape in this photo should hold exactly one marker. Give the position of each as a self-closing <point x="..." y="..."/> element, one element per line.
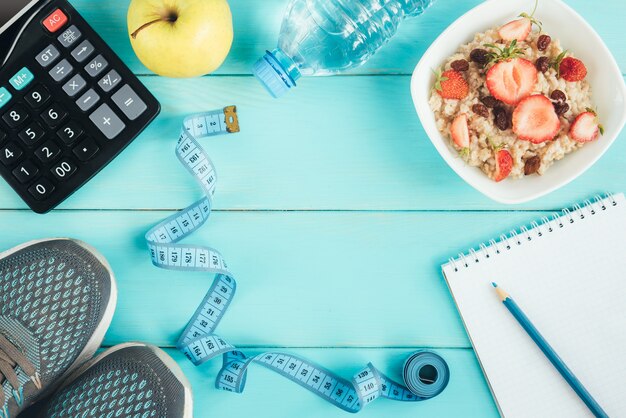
<point x="425" y="373"/>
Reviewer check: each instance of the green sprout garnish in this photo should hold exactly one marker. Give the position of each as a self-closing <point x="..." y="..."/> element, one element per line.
<point x="494" y="146"/>
<point x="506" y="53"/>
<point x="531" y="16"/>
<point x="556" y="64"/>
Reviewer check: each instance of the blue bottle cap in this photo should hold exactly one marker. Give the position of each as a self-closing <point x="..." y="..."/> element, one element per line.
<point x="277" y="72"/>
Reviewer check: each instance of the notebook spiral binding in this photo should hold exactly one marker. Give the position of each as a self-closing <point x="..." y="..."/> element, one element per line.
<point x="538" y="229"/>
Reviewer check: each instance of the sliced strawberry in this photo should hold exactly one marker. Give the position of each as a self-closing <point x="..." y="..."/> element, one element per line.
<point x="585" y="128"/>
<point x="572" y="69"/>
<point x="512" y="80"/>
<point x="451" y="85"/>
<point x="504" y="165"/>
<point x="460" y="132"/>
<point x="535" y="120"/>
<point x="516" y="30"/>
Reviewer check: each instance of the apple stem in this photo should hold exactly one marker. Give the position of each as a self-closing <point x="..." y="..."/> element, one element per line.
<point x="171" y="18"/>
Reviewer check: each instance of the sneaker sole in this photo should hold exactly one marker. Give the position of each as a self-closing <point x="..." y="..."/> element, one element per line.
<point x="171" y="364"/>
<point x="98" y="336"/>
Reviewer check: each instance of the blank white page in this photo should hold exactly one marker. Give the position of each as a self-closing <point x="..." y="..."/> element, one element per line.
<point x="571" y="283"/>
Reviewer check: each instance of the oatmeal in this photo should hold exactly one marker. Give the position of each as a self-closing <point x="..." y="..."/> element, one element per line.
<point x="512" y="101"/>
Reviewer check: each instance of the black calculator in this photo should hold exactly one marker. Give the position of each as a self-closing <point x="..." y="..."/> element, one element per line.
<point x="68" y="104"/>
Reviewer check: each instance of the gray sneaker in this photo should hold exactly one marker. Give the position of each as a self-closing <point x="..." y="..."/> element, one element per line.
<point x="130" y="380"/>
<point x="57" y="298"/>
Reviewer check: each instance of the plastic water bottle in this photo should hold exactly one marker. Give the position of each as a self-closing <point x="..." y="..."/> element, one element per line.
<point x="322" y="37"/>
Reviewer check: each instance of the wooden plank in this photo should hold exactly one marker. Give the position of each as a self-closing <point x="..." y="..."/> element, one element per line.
<point x="269" y="394"/>
<point x="257" y="25"/>
<point x="367" y="152"/>
<point x="316" y="279"/>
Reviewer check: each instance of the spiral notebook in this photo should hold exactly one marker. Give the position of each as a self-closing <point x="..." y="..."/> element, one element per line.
<point x="568" y="273"/>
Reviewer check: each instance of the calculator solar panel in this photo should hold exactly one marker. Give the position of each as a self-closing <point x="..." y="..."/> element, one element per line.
<point x="68" y="104"/>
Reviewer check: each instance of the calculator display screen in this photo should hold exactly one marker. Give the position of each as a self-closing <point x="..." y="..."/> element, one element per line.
<point x="11" y="10"/>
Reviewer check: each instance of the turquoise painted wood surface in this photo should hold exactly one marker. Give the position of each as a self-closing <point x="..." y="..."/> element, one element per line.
<point x="339" y="171"/>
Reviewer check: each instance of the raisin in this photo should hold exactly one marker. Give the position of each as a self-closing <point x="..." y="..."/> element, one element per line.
<point x="460" y="65"/>
<point x="543" y="64"/>
<point x="561" y="108"/>
<point x="480" y="56"/>
<point x="532" y="164"/>
<point x="481" y="110"/>
<point x="543" y="42"/>
<point x="501" y="118"/>
<point x="558" y="96"/>
<point x="490" y="102"/>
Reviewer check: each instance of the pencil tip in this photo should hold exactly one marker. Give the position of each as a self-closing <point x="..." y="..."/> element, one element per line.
<point x="494" y="284"/>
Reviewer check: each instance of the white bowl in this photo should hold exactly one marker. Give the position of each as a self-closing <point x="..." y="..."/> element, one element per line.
<point x="576" y="35"/>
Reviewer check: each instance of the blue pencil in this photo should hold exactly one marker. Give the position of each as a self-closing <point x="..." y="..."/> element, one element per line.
<point x="554" y="358"/>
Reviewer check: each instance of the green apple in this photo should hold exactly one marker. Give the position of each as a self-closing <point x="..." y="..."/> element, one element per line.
<point x="180" y="38"/>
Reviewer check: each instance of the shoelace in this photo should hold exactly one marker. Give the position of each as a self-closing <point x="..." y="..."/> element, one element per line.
<point x="11" y="358"/>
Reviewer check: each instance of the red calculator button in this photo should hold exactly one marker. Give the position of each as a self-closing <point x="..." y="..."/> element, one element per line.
<point x="55" y="21"/>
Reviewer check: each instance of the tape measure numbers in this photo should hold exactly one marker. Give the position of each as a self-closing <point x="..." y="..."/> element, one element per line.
<point x="425" y="374"/>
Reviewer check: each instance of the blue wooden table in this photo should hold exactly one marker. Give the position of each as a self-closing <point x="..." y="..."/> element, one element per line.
<point x="333" y="210"/>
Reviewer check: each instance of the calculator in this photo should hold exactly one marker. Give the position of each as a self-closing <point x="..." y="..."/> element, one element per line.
<point x="68" y="104"/>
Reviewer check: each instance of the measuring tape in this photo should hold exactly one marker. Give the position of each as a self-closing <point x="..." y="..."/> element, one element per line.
<point x="425" y="374"/>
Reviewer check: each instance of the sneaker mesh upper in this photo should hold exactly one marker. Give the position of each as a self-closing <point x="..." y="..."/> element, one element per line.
<point x="132" y="382"/>
<point x="53" y="296"/>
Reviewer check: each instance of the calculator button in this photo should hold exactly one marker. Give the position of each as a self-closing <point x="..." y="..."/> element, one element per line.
<point x="129" y="102"/>
<point x="46" y="57"/>
<point x="107" y="121"/>
<point x="69" y="36"/>
<point x="48" y="152"/>
<point x="5" y="97"/>
<point x="16" y="116"/>
<point x="25" y="172"/>
<point x="83" y="51"/>
<point x="10" y="154"/>
<point x="63" y="170"/>
<point x="41" y="189"/>
<point x="22" y="79"/>
<point x="75" y="85"/>
<point x="61" y="71"/>
<point x="109" y="81"/>
<point x="37" y="97"/>
<point x="32" y="134"/>
<point x="88" y="100"/>
<point x="55" y="21"/>
<point x="96" y="66"/>
<point x="70" y="133"/>
<point x="3" y="136"/>
<point x="54" y="115"/>
<point x="86" y="150"/>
